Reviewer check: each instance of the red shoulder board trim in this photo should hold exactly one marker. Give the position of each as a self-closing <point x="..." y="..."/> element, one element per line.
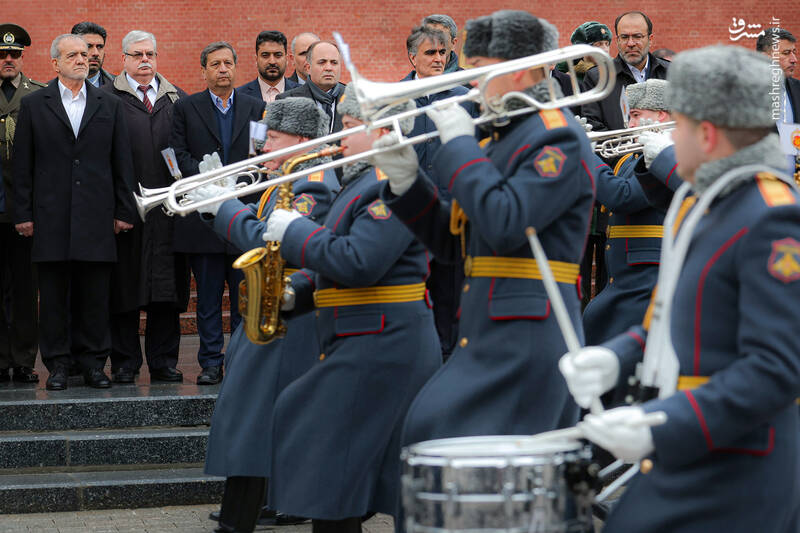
<point x="316" y="176"/>
<point x="378" y="210"/>
<point x="553" y="118"/>
<point x="774" y="191"/>
<point x="784" y="261"/>
<point x="550" y="162"/>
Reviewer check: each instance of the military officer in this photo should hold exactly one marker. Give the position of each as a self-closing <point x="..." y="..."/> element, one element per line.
<point x="240" y="443"/>
<point x="502" y="378"/>
<point x="732" y="424"/>
<point x="634" y="226"/>
<point x="336" y="435"/>
<point x="19" y="335"/>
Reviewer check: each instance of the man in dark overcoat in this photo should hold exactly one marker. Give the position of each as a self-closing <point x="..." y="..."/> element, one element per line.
<point x="72" y="177"/>
<point x="148" y="275"/>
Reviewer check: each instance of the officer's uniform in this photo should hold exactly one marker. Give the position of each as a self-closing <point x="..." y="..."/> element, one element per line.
<point x="727" y="458"/>
<point x="240" y="441"/>
<point x="633" y="250"/>
<point x="502" y="377"/>
<point x="336" y="433"/>
<point x="19" y="337"/>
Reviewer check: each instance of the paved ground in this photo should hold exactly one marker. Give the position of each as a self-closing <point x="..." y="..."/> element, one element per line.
<point x="187" y="519"/>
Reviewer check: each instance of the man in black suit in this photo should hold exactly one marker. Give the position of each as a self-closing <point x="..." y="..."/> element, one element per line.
<point x="781" y="47"/>
<point x="634" y="64"/>
<point x="72" y="176"/>
<point x="95" y="36"/>
<point x="214" y="120"/>
<point x="299" y="49"/>
<point x="271" y="64"/>
<point x="324" y="68"/>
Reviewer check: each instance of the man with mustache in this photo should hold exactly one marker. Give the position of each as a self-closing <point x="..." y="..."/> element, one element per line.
<point x="634" y="64"/>
<point x="323" y="69"/>
<point x="148" y="276"/>
<point x="72" y="170"/>
<point x="271" y="64"/>
<point x="214" y="120"/>
<point x="18" y="320"/>
<point x="95" y="36"/>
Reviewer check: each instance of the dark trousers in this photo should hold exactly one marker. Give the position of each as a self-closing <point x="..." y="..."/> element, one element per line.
<point x="444" y="285"/>
<point x="241" y="502"/>
<point x="74" y="305"/>
<point x="212" y="271"/>
<point x="594" y="254"/>
<point x="346" y="525"/>
<point x="161" y="338"/>
<point x="18" y="300"/>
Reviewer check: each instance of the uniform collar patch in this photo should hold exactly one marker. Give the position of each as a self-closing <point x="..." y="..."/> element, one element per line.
<point x="784" y="262"/>
<point x="550" y="162"/>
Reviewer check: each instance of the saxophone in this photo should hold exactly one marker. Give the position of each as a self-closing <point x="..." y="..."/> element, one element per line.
<point x="261" y="291"/>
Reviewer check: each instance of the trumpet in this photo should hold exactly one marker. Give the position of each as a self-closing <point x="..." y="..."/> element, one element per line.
<point x="375" y="99"/>
<point x="614" y="143"/>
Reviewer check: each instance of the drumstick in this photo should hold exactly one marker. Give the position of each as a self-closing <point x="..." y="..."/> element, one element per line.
<point x="656" y="418"/>
<point x="559" y="308"/>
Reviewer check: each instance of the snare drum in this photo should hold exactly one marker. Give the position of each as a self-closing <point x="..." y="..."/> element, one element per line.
<point x="493" y="483"/>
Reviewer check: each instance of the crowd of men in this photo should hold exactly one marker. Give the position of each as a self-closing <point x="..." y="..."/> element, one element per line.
<point x="431" y="316"/>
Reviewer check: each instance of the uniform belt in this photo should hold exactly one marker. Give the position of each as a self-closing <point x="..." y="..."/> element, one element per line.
<point x="389" y="294"/>
<point x="632" y="232"/>
<point x="692" y="382"/>
<point x="290" y="271"/>
<point x="518" y="267"/>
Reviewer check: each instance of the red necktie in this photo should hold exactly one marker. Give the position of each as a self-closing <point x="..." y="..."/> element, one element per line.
<point x="145" y="100"/>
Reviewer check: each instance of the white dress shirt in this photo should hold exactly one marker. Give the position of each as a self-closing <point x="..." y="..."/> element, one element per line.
<point x="151" y="92"/>
<point x="74" y="106"/>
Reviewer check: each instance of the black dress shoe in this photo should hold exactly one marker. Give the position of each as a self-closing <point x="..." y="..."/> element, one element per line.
<point x="57" y="380"/>
<point x="282" y="519"/>
<point x="266" y="518"/>
<point x="166" y="374"/>
<point x="96" y="379"/>
<point x="4" y="375"/>
<point x="24" y="374"/>
<point x="123" y="375"/>
<point x="210" y="376"/>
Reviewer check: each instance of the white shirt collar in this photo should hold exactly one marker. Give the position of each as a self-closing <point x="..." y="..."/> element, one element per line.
<point x="65" y="92"/>
<point x="135" y="84"/>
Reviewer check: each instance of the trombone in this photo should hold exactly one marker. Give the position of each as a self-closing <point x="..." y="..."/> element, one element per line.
<point x="375" y="99"/>
<point x="614" y="143"/>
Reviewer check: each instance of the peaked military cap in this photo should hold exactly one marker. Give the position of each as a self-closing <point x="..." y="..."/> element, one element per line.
<point x="590" y="32"/>
<point x="13" y="37"/>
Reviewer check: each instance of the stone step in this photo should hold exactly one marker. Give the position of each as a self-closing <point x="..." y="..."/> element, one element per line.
<point x="77" y="449"/>
<point x="79" y="408"/>
<point x="82" y="491"/>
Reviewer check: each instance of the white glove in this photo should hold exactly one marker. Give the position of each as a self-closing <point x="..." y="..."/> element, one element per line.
<point x="289" y="297"/>
<point x="209" y="162"/>
<point x="589" y="373"/>
<point x="399" y="165"/>
<point x="621" y="431"/>
<point x="584" y="122"/>
<point x="452" y="121"/>
<point x="653" y="143"/>
<point x="277" y="223"/>
<point x="207" y="192"/>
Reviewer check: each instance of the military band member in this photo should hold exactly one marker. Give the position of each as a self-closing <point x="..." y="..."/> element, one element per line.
<point x="337" y="428"/>
<point x="634" y="226"/>
<point x="240" y="441"/>
<point x="18" y="329"/>
<point x="726" y="459"/>
<point x="502" y="377"/>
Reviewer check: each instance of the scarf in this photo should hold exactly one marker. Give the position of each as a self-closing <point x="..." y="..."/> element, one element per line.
<point x="326" y="98"/>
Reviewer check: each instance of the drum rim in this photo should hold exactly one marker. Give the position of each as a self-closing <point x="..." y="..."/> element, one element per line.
<point x="470" y="447"/>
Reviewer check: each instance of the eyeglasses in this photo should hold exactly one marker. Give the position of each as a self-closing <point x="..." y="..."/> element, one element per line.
<point x="139" y="55"/>
<point x="15" y="54"/>
<point x="636" y="37"/>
